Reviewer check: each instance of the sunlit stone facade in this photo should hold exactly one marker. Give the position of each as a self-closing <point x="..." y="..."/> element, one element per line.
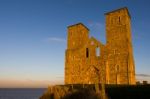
<point x="88" y="61"/>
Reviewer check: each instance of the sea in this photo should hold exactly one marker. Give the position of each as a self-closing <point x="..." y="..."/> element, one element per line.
<point x="21" y="93"/>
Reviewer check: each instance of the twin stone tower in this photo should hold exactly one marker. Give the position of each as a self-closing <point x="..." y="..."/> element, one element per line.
<point x="88" y="61"/>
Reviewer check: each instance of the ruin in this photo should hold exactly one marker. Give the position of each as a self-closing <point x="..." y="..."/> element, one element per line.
<point x="88" y="61"/>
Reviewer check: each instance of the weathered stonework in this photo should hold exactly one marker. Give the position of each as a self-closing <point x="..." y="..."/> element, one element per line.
<point x="88" y="61"/>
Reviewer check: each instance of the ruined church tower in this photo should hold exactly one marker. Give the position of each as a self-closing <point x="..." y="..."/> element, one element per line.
<point x="119" y="46"/>
<point x="78" y="36"/>
<point x="88" y="61"/>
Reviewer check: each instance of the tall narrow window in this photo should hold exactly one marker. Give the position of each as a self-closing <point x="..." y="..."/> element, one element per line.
<point x="117" y="74"/>
<point x="117" y="68"/>
<point x="87" y="52"/>
<point x="97" y="51"/>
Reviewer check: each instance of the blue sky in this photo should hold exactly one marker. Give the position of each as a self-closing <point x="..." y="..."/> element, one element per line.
<point x="33" y="36"/>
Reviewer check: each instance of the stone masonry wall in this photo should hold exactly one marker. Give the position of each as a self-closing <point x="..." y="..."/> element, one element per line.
<point x="88" y="61"/>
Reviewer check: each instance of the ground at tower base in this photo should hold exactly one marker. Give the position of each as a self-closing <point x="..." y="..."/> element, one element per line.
<point x="89" y="92"/>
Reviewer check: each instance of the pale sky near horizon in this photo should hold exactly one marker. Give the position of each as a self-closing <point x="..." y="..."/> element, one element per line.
<point x="33" y="37"/>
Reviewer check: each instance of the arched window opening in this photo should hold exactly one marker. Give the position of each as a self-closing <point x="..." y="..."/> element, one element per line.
<point x="87" y="52"/>
<point x="98" y="51"/>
